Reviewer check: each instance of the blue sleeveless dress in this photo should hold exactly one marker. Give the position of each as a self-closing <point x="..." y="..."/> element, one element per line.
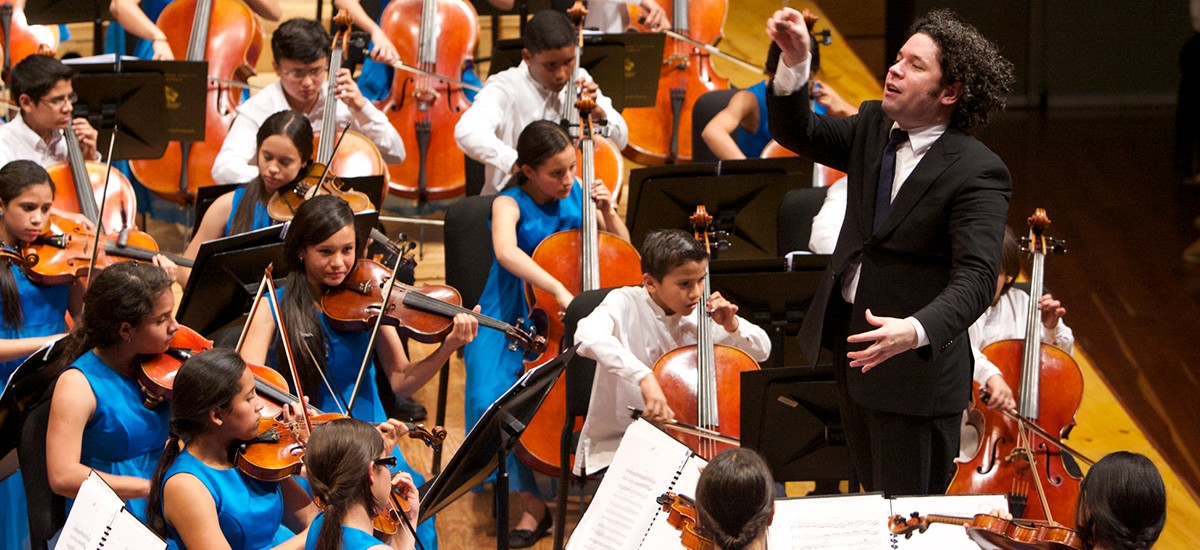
<point x="44" y="307"/>
<point x="491" y="367"/>
<point x="249" y="511"/>
<point x="120" y="42"/>
<point x="122" y="437"/>
<point x="753" y="143"/>
<point x="343" y="356"/>
<point x="261" y="218"/>
<point x="352" y="539"/>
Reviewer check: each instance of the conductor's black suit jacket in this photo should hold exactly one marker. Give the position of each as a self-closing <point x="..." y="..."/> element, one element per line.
<point x="936" y="257"/>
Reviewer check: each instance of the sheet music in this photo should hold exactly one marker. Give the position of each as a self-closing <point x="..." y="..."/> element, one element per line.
<point x="661" y="534"/>
<point x="645" y="466"/>
<point x="849" y="522"/>
<point x="99" y="520"/>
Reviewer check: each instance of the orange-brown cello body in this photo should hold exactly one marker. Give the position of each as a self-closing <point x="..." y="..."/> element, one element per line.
<point x="610" y="165"/>
<point x="121" y="205"/>
<point x="356" y="156"/>
<point x="662" y="134"/>
<point x="994" y="469"/>
<point x="423" y="109"/>
<point x="676" y="372"/>
<point x="231" y="47"/>
<point x="24" y="39"/>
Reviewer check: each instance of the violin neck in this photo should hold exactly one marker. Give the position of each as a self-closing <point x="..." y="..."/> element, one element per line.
<point x="114" y="248"/>
<point x="83" y="182"/>
<point x="277" y="395"/>
<point x="416" y="300"/>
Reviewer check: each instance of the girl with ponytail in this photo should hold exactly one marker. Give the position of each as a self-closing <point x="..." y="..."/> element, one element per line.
<point x="197" y="490"/>
<point x="1122" y="504"/>
<point x="97" y="420"/>
<point x="735" y="500"/>
<point x="348" y="464"/>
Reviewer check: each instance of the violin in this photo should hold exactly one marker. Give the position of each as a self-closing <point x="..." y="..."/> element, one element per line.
<point x="389" y="520"/>
<point x="575" y="257"/>
<point x="229" y="38"/>
<point x="703" y="382"/>
<point x="157" y="376"/>
<point x="995" y="532"/>
<point x="681" y="514"/>
<point x="1014" y="455"/>
<point x="425" y="313"/>
<point x="63" y="251"/>
<point x="319" y="181"/>
<point x="81" y="185"/>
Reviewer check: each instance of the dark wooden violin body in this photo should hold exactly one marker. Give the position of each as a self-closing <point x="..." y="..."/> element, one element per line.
<point x="64" y="251"/>
<point x="1012" y="459"/>
<point x="994" y="532"/>
<point x="681" y="514"/>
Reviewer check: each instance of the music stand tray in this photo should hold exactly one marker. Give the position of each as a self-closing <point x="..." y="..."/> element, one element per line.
<point x="488" y="443"/>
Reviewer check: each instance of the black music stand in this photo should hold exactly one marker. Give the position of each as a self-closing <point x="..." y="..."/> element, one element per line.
<point x="626" y="66"/>
<point x="743" y="197"/>
<point x="771" y="298"/>
<point x="53" y="12"/>
<point x="115" y="97"/>
<point x="24" y="387"/>
<point x="489" y="442"/>
<point x="803" y="404"/>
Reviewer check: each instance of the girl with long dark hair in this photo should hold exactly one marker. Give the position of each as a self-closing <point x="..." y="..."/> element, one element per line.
<point x="735" y="500"/>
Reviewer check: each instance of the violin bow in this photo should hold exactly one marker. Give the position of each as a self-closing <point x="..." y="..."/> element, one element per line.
<point x="383" y="306"/>
<point x="689" y="429"/>
<point x="269" y="282"/>
<point x="112" y="139"/>
<point x="1046" y="435"/>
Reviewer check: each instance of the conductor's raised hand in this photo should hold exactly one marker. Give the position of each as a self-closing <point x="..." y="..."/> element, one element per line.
<point x="893" y="337"/>
<point x="787" y="28"/>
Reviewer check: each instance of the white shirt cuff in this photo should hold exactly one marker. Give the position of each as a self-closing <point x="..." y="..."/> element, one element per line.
<point x="788" y="80"/>
<point x="922" y="338"/>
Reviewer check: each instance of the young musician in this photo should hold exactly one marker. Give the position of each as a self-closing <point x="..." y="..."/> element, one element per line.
<point x="321" y="249"/>
<point x="348" y="464"/>
<point x="301" y="50"/>
<point x="612" y="16"/>
<point x="197" y="490"/>
<point x="41" y="86"/>
<point x="534" y="90"/>
<point x="1122" y="504"/>
<point x="735" y="500"/>
<point x="634" y="326"/>
<point x="541" y="199"/>
<point x="138" y="17"/>
<point x="284" y="153"/>
<point x="97" y="419"/>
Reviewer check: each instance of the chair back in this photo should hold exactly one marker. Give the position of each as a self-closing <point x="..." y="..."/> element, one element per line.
<point x="706" y="107"/>
<point x="469" y="251"/>
<point x="47" y="510"/>
<point x="796" y="214"/>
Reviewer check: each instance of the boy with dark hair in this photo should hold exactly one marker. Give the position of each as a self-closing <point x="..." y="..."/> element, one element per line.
<point x="41" y="88"/>
<point x="534" y="90"/>
<point x="301" y="49"/>
<point x="634" y="326"/>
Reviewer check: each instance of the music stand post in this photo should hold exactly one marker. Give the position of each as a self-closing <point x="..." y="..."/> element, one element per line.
<point x="488" y="444"/>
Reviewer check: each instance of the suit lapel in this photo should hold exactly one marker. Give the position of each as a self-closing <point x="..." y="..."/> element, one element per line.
<point x="941" y="155"/>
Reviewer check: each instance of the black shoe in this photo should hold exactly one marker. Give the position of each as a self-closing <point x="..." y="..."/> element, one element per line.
<point x="410" y="410"/>
<point x="524" y="538"/>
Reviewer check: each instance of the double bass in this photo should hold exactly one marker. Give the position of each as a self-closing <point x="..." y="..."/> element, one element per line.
<point x="1014" y="458"/>
<point x="662" y="134"/>
<point x="227" y="35"/>
<point x="423" y="109"/>
<point x="574" y="257"/>
<point x="703" y="382"/>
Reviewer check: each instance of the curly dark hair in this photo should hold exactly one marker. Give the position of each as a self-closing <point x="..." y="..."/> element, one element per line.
<point x="967" y="57"/>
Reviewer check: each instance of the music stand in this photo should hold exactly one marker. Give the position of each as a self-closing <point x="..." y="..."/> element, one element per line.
<point x="24" y="387"/>
<point x="626" y="66"/>
<point x="489" y="442"/>
<point x="803" y="404"/>
<point x="53" y="12"/>
<point x="130" y="102"/>
<point x="771" y="298"/>
<point x="743" y="197"/>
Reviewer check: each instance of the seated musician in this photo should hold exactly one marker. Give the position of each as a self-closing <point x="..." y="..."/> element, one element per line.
<point x="41" y="87"/>
<point x="735" y="500"/>
<point x="634" y="326"/>
<point x="541" y="199"/>
<point x="612" y="16"/>
<point x="349" y="464"/>
<point x="534" y="90"/>
<point x="322" y="249"/>
<point x="283" y="155"/>
<point x="301" y="50"/>
<point x="137" y="18"/>
<point x="197" y="490"/>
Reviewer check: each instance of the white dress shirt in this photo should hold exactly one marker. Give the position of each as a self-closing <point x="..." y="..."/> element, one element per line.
<point x="509" y="101"/>
<point x="609" y="16"/>
<point x="1006" y="320"/>
<point x="19" y="142"/>
<point x="827" y="224"/>
<point x="235" y="162"/>
<point x="625" y="335"/>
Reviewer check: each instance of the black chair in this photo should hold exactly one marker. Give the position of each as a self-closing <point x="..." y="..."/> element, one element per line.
<point x="469" y="251"/>
<point x="796" y="214"/>
<point x="706" y="107"/>
<point x="47" y="510"/>
<point x="579" y="375"/>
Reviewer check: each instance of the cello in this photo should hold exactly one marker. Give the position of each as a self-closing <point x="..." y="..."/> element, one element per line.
<point x="227" y="35"/>
<point x="574" y="257"/>
<point x="344" y="152"/>
<point x="423" y="109"/>
<point x="81" y="187"/>
<point x="703" y="382"/>
<point x="1012" y="456"/>
<point x="662" y="134"/>
<point x="607" y="164"/>
<point x="19" y="39"/>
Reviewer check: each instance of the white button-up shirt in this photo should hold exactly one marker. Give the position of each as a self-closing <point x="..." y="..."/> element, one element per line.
<point x="19" y="142"/>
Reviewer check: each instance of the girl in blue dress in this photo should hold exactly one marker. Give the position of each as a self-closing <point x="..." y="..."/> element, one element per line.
<point x="30" y="314"/>
<point x="197" y="489"/>
<point x="285" y="152"/>
<point x="542" y="198"/>
<point x="348" y="462"/>
<point x="321" y="249"/>
<point x="97" y="419"/>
